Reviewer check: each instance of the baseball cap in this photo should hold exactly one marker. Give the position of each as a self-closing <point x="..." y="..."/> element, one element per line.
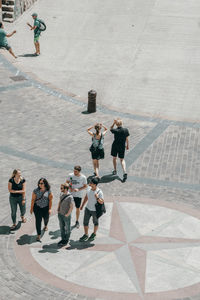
<point x="34" y="15"/>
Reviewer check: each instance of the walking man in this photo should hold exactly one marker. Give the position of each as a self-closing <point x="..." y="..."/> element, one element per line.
<point x="77" y="182"/>
<point x="3" y="39"/>
<point x="37" y="32"/>
<point x="120" y="142"/>
<point x="65" y="207"/>
<point x="93" y="195"/>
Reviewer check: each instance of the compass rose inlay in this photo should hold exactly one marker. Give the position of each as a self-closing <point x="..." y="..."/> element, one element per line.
<point x="142" y="250"/>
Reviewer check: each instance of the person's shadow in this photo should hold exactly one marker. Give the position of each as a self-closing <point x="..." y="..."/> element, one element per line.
<point x="54" y="234"/>
<point x="79" y="245"/>
<point x="28" y="55"/>
<point x="5" y="230"/>
<point x="26" y="239"/>
<point x="51" y="248"/>
<point x="105" y="179"/>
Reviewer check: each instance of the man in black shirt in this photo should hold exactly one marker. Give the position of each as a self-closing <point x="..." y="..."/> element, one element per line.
<point x="118" y="146"/>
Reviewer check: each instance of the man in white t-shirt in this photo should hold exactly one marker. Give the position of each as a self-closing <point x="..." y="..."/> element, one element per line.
<point x="93" y="195"/>
<point x="77" y="182"/>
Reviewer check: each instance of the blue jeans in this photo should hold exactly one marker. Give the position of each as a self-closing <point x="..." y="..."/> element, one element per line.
<point x="13" y="205"/>
<point x="65" y="226"/>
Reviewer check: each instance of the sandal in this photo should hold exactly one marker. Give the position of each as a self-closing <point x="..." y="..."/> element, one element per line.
<point x="13" y="227"/>
<point x="38" y="238"/>
<point x="45" y="228"/>
<point x="24" y="220"/>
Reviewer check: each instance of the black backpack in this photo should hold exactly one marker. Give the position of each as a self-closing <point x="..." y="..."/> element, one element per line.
<point x="42" y="25"/>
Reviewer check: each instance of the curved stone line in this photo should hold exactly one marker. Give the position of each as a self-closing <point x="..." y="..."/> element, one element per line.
<point x="102" y="109"/>
<point x="59" y="165"/>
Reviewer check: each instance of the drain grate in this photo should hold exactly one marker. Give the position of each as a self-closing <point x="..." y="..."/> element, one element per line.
<point x="18" y="78"/>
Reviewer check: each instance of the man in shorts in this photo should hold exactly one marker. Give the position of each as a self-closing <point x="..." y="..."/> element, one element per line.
<point x="77" y="182"/>
<point x="37" y="32"/>
<point x="3" y="39"/>
<point x="119" y="145"/>
<point x="93" y="195"/>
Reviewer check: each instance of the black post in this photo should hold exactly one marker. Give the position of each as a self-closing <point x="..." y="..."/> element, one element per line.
<point x="92" y="94"/>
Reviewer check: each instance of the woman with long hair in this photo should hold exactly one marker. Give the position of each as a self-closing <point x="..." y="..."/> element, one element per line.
<point x="41" y="204"/>
<point x="17" y="190"/>
<point x="96" y="149"/>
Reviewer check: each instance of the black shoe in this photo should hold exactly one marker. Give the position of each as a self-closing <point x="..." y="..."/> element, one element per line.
<point x="124" y="177"/>
<point x="92" y="237"/>
<point x="114" y="172"/>
<point x="83" y="238"/>
<point x="77" y="225"/>
<point x="62" y="243"/>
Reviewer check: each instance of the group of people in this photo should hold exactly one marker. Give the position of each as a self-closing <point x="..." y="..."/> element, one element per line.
<point x="41" y="203"/>
<point x="72" y="190"/>
<point x="36" y="28"/>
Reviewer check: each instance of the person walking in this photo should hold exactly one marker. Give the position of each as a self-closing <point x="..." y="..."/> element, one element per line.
<point x="17" y="190"/>
<point x="41" y="204"/>
<point x="4" y="41"/>
<point x="93" y="195"/>
<point x="77" y="182"/>
<point x="96" y="149"/>
<point x="119" y="145"/>
<point x="37" y="32"/>
<point x="65" y="207"/>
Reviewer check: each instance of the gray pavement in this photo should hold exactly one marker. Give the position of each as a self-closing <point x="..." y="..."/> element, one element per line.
<point x="139" y="55"/>
<point x="40" y="131"/>
<point x="43" y="132"/>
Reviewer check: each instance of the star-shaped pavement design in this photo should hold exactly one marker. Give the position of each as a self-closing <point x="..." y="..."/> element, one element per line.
<point x="140" y="249"/>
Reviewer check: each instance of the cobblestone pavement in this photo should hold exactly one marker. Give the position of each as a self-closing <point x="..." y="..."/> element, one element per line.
<point x="43" y="132"/>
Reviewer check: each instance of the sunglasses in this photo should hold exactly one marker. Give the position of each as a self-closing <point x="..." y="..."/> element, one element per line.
<point x="41" y="182"/>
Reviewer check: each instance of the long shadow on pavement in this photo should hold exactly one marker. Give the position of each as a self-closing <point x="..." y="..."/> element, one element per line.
<point x="52" y="248"/>
<point x="54" y="234"/>
<point x="5" y="230"/>
<point x="105" y="178"/>
<point x="79" y="245"/>
<point x="26" y="239"/>
<point x="28" y="55"/>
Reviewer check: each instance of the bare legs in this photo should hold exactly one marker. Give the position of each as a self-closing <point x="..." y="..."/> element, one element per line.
<point x="77" y="213"/>
<point x="123" y="164"/>
<point x="115" y="163"/>
<point x="37" y="47"/>
<point x="96" y="166"/>
<point x="86" y="229"/>
<point x="12" y="53"/>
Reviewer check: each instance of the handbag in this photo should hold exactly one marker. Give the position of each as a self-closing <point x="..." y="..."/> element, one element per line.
<point x="100" y="209"/>
<point x="93" y="149"/>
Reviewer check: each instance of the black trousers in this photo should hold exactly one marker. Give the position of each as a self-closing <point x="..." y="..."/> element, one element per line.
<point x="41" y="213"/>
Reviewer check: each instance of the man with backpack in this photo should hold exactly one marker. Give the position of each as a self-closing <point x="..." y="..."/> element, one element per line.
<point x="38" y="26"/>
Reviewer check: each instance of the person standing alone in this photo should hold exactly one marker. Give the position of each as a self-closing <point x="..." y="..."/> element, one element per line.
<point x="37" y="32"/>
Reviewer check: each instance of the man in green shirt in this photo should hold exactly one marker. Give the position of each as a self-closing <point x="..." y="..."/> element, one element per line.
<point x="3" y="39"/>
<point x="36" y="28"/>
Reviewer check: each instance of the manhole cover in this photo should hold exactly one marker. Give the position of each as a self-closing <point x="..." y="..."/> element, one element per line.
<point x="18" y="78"/>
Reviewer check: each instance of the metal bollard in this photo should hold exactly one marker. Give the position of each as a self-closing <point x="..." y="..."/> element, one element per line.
<point x="92" y="101"/>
